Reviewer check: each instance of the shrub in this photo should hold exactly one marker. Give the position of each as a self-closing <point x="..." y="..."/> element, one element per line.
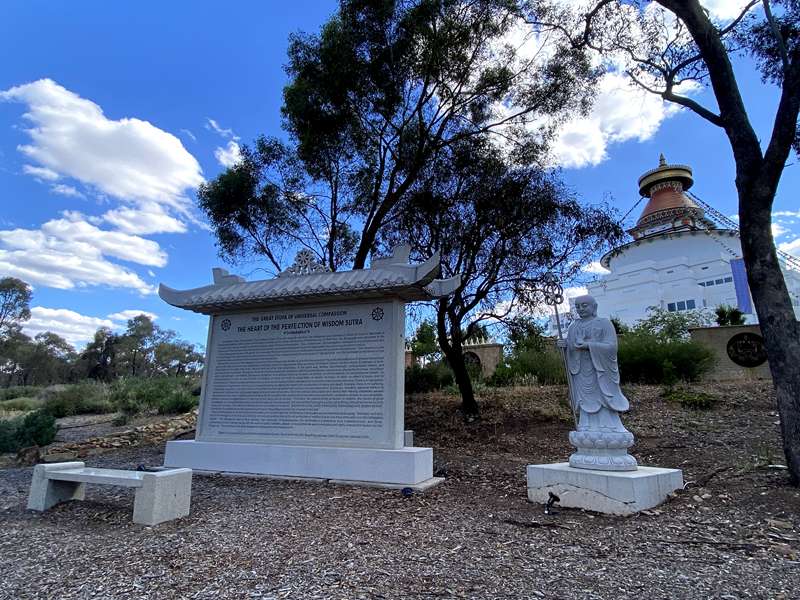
<point x="37" y="428"/>
<point x="18" y="392"/>
<point x="163" y="395"/>
<point x="8" y="435"/>
<point x="503" y="375"/>
<point x="21" y="404"/>
<point x="433" y="376"/>
<point x="545" y="367"/>
<point x="671" y="326"/>
<point x="76" y="399"/>
<point x="729" y="315"/>
<point x="645" y="358"/>
<point x="177" y="401"/>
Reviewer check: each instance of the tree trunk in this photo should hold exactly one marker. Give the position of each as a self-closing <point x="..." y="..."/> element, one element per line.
<point x="757" y="176"/>
<point x="450" y="343"/>
<point x="776" y="317"/>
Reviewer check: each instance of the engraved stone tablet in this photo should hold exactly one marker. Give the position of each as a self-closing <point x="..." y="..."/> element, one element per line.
<point x="315" y="375"/>
<point x="304" y="372"/>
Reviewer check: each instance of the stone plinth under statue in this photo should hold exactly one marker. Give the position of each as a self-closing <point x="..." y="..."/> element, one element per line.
<point x="600" y="474"/>
<point x="304" y="373"/>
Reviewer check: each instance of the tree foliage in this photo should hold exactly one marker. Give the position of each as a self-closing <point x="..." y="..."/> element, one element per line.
<point x="15" y="298"/>
<point x="267" y="204"/>
<point x="143" y="349"/>
<point x="666" y="326"/>
<point x="385" y="89"/>
<point x="729" y="315"/>
<point x="500" y="227"/>
<point x="423" y="344"/>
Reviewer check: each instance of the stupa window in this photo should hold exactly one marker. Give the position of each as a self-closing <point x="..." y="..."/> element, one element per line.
<point x="681" y="305"/>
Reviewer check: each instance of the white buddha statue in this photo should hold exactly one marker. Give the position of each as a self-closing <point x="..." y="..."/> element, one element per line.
<point x="601" y="440"/>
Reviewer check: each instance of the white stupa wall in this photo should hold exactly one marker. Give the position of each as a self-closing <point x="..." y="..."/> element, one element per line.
<point x="674" y="271"/>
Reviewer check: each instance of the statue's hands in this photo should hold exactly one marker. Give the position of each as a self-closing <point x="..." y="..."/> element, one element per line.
<point x="581" y="345"/>
<point x="561" y="343"/>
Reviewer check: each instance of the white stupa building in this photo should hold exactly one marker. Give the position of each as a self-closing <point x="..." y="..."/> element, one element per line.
<point x="679" y="259"/>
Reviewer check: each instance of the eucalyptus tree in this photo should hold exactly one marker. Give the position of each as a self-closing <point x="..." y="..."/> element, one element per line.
<point x="15" y="299"/>
<point x="670" y="47"/>
<point x="379" y="93"/>
<point x="501" y="228"/>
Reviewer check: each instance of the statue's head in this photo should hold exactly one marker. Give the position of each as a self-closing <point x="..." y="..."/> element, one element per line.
<point x="586" y="307"/>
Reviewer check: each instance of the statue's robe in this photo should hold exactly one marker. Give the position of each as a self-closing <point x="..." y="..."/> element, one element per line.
<point x="594" y="372"/>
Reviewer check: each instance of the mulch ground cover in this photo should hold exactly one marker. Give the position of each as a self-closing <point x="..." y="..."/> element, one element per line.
<point x="732" y="533"/>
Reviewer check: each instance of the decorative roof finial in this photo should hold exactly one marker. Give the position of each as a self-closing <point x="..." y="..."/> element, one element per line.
<point x="662" y="162"/>
<point x="305" y="263"/>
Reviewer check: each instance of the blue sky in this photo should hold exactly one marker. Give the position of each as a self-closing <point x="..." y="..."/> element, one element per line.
<point x="112" y="113"/>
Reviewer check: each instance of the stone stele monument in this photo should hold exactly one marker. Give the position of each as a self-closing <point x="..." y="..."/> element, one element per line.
<point x="600" y="474"/>
<point x="304" y="373"/>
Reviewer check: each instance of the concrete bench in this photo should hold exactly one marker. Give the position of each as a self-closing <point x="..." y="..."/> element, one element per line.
<point x="160" y="496"/>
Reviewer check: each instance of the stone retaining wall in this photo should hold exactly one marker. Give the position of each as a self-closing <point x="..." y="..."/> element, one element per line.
<point x="718" y="339"/>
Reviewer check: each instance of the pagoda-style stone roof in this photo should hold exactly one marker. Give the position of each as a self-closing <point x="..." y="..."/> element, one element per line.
<point x="308" y="281"/>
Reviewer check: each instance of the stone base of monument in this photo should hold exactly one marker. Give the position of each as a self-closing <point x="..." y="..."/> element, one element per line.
<point x="610" y="492"/>
<point x="403" y="467"/>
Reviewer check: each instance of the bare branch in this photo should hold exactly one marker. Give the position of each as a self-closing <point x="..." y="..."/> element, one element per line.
<point x="778" y="37"/>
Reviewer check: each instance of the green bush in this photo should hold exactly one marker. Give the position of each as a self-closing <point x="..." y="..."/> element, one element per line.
<point x="8" y="435"/>
<point x="36" y="428"/>
<point x="543" y="367"/>
<point x="18" y="392"/>
<point x="503" y="375"/>
<point x="645" y="358"/>
<point x="163" y="395"/>
<point x="433" y="376"/>
<point x="177" y="401"/>
<point x="77" y="399"/>
<point x="21" y="404"/>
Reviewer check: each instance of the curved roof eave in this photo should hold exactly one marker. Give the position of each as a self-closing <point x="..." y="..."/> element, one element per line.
<point x="386" y="278"/>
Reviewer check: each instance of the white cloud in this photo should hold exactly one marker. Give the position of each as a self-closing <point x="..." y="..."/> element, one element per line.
<point x="595" y="268"/>
<point x="149" y="218"/>
<point x="70" y="251"/>
<point x="129" y="159"/>
<point x="228" y="156"/>
<point x="66" y="190"/>
<point x="40" y="172"/>
<point x="126" y="315"/>
<point x="212" y="125"/>
<point x="74" y="327"/>
<point x="779" y="230"/>
<point x="725" y="10"/>
<point x="792" y="247"/>
<point x="622" y="111"/>
<point x="189" y="134"/>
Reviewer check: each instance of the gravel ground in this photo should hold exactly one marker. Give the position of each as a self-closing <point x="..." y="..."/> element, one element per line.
<point x="732" y="534"/>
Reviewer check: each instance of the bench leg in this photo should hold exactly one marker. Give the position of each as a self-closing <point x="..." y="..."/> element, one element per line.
<point x="46" y="493"/>
<point x="164" y="496"/>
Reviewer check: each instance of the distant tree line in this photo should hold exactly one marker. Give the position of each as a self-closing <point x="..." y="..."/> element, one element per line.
<point x="143" y="350"/>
